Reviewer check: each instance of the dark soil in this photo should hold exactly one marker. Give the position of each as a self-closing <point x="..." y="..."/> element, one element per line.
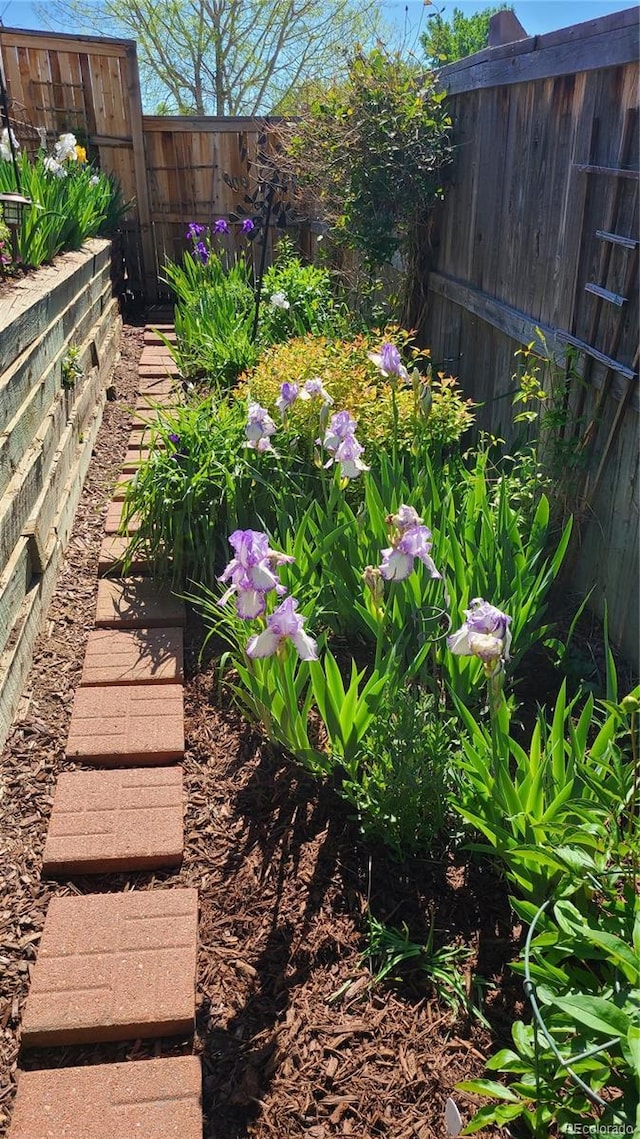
<point x="285" y="883"/>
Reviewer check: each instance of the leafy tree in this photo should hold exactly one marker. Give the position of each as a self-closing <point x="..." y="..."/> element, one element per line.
<point x="445" y="41"/>
<point x="226" y="57"/>
<point x="369" y="156"/>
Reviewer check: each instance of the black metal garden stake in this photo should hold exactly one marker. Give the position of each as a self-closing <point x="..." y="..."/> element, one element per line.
<point x="263" y="256"/>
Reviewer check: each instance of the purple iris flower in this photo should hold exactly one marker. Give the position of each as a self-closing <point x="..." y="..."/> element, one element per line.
<point x="289" y="393"/>
<point x="284" y="623"/>
<point x="252" y="572"/>
<point x="340" y="440"/>
<point x="410" y="539"/>
<point x="485" y="634"/>
<point x="260" y="427"/>
<point x="388" y="361"/>
<point x="340" y="425"/>
<point x="221" y="226"/>
<point x="315" y="387"/>
<point x="247" y="226"/>
<point x="202" y="251"/>
<point x="175" y="439"/>
<point x="194" y="230"/>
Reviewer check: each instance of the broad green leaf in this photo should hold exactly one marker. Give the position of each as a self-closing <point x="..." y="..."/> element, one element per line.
<point x="596" y="1013"/>
<point x="487" y="1088"/>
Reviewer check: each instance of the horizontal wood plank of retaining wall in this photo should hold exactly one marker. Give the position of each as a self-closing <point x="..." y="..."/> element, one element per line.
<point x="608" y="42"/>
<point x="30" y="575"/>
<point x="49" y="389"/>
<point x="16" y="660"/>
<point x="29" y="479"/>
<point x="15" y="581"/>
<point x="22" y="320"/>
<point x="40" y="523"/>
<point x="66" y="326"/>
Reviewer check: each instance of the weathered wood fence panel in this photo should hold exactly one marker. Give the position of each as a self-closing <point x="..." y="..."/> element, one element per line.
<point x="201" y="169"/>
<point x="173" y="169"/>
<point x="47" y="432"/>
<point x="539" y="231"/>
<point x="91" y="87"/>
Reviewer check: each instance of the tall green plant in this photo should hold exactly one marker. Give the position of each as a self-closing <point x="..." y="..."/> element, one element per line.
<point x="66" y="208"/>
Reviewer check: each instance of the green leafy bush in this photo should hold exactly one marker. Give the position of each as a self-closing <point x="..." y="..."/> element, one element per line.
<point x="184" y="494"/>
<point x="405" y="775"/>
<point x="356" y="384"/>
<point x="371" y="150"/>
<point x="305" y="297"/>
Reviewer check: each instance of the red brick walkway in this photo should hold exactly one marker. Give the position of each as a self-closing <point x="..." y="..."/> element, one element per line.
<point x="120" y="966"/>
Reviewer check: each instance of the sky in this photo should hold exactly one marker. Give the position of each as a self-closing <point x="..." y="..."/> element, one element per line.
<point x="536" y="16"/>
<point x="409" y="17"/>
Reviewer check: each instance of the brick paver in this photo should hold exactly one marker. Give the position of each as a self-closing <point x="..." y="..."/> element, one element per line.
<point x="148" y="403"/>
<point x="119" y="725"/>
<point x="133" y="656"/>
<point x="112" y="552"/>
<point x="160" y="384"/>
<point x="120" y="489"/>
<point x="106" y="821"/>
<point x="114" y="967"/>
<point x="133" y="459"/>
<point x="142" y="1099"/>
<point x="154" y="355"/>
<point x="114" y="518"/>
<point x="134" y="603"/>
<point x="143" y="438"/>
<point x="147" y="417"/>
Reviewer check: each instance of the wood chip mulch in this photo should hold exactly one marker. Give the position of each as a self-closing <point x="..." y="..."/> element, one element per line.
<point x="284" y="884"/>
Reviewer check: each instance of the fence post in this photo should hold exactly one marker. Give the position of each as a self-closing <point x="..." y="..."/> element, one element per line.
<point x="140" y="170"/>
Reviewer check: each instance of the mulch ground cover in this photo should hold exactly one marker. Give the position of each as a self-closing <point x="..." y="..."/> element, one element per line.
<point x="285" y="883"/>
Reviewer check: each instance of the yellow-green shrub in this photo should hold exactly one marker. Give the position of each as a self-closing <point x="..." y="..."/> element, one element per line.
<point x="357" y="386"/>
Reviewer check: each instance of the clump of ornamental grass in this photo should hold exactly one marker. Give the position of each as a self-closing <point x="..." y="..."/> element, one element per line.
<point x="386" y="407"/>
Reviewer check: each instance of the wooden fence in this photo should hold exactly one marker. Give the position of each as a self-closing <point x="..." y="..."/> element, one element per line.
<point x="538" y="233"/>
<point x="173" y="169"/>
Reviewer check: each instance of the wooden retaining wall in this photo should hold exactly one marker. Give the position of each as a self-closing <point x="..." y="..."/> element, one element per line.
<point x="47" y="433"/>
<point x="538" y="233"/>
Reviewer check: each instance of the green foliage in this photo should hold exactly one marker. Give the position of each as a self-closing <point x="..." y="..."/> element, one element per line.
<point x="280" y="692"/>
<point x="213" y="317"/>
<point x="552" y="813"/>
<point x="72" y="369"/>
<point x="65" y="210"/>
<point x="308" y="293"/>
<point x="355" y="384"/>
<point x="487" y="548"/>
<point x="445" y="41"/>
<point x="390" y="949"/>
<point x="371" y="151"/>
<point x="215" y="309"/>
<point x="184" y="494"/>
<point x="405" y="773"/>
<point x="583" y="969"/>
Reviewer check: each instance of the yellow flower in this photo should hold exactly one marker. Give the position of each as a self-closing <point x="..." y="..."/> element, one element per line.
<point x="81" y="155"/>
